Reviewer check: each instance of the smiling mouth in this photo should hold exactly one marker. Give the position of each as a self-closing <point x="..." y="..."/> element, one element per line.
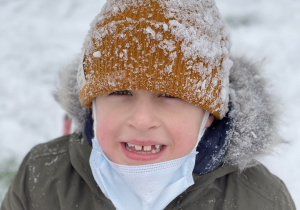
<point x="149" y="149"/>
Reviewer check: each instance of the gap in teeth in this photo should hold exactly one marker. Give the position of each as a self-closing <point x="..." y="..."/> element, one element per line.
<point x="144" y="149"/>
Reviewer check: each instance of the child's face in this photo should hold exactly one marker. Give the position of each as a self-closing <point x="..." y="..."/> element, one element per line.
<point x="141" y="127"/>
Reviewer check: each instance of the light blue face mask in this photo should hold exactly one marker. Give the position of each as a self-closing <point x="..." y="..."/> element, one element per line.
<point x="146" y="187"/>
<point x="143" y="187"/>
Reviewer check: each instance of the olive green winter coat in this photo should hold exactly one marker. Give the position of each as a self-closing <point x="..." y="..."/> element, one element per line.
<point x="57" y="175"/>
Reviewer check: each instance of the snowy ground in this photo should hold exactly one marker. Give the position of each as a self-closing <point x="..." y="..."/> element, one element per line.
<point x="38" y="37"/>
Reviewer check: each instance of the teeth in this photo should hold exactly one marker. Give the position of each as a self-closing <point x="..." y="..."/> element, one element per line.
<point x="137" y="147"/>
<point x="147" y="148"/>
<point x="144" y="149"/>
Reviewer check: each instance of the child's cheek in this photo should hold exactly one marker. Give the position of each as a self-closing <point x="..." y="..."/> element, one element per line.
<point x="105" y="130"/>
<point x="185" y="138"/>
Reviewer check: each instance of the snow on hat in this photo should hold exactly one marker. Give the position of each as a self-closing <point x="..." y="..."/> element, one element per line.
<point x="178" y="47"/>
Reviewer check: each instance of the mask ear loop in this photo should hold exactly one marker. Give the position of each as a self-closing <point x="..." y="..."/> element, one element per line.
<point x="95" y="117"/>
<point x="202" y="129"/>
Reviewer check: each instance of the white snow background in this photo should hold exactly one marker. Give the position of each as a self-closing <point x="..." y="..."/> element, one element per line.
<point x="39" y="37"/>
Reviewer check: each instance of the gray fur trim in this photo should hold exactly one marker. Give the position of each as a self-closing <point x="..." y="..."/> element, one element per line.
<point x="254" y="133"/>
<point x="67" y="92"/>
<point x="255" y="130"/>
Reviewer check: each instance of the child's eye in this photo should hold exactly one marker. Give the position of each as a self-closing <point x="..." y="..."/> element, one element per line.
<point x="167" y="95"/>
<point x="122" y="92"/>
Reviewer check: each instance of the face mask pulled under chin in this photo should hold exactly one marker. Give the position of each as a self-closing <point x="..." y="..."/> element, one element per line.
<point x="146" y="187"/>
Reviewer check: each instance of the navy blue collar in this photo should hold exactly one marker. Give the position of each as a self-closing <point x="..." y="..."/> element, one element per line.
<point x="213" y="145"/>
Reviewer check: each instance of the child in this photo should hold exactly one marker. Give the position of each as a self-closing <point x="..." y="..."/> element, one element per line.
<point x="166" y="119"/>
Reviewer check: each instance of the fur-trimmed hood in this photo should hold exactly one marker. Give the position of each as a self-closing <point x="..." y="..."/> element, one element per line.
<point x="254" y="132"/>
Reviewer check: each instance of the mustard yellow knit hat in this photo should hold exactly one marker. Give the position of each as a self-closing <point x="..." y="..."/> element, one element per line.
<point x="178" y="47"/>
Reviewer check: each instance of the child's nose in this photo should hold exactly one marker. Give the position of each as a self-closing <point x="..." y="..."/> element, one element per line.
<point x="143" y="116"/>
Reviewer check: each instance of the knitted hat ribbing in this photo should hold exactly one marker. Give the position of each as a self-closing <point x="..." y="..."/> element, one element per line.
<point x="178" y="47"/>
